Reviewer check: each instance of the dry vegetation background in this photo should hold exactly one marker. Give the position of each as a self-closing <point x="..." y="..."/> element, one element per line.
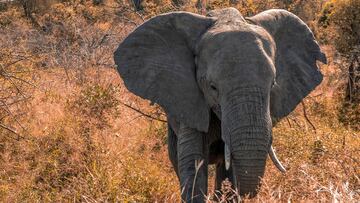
<point x="70" y="132"/>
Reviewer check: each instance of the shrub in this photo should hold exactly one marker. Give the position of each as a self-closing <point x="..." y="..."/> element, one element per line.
<point x="96" y="104"/>
<point x="340" y="26"/>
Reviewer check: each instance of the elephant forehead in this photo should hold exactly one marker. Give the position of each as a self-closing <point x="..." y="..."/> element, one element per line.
<point x="232" y="55"/>
<point x="240" y="45"/>
<point x="230" y="14"/>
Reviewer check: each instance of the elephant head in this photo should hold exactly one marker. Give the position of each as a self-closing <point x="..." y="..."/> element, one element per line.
<point x="250" y="72"/>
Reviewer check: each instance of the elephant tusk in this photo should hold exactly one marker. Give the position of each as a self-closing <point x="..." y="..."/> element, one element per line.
<point x="276" y="161"/>
<point x="227" y="156"/>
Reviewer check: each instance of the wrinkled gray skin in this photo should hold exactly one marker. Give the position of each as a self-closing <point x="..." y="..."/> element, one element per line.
<point x="221" y="78"/>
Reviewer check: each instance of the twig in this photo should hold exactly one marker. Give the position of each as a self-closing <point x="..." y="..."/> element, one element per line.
<point x="142" y="113"/>
<point x="12" y="131"/>
<point x="16" y="87"/>
<point x="295" y="121"/>
<point x="139" y="116"/>
<point x="129" y="10"/>
<point x="14" y="102"/>
<point x="288" y="121"/>
<point x="306" y="117"/>
<point x="315" y="96"/>
<point x="7" y="76"/>
<point x="21" y="58"/>
<point x="128" y="20"/>
<point x="3" y="117"/>
<point x="7" y="109"/>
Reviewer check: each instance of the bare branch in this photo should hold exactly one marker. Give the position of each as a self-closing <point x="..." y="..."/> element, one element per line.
<point x="295" y="121"/>
<point x="142" y="113"/>
<point x="306" y="117"/>
<point x="7" y="109"/>
<point x="288" y="121"/>
<point x="7" y="76"/>
<point x="12" y="131"/>
<point x="14" y="102"/>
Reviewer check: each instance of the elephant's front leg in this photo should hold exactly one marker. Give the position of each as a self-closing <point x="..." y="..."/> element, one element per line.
<point x="192" y="164"/>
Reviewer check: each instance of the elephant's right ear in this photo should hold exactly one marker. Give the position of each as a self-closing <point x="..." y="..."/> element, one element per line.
<point x="156" y="62"/>
<point x="297" y="51"/>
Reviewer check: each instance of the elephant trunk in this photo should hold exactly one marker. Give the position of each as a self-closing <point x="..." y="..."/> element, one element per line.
<point x="246" y="130"/>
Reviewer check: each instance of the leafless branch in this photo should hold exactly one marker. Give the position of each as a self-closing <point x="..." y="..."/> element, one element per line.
<point x="15" y="101"/>
<point x="16" y="87"/>
<point x="12" y="131"/>
<point x="295" y="121"/>
<point x="124" y="9"/>
<point x="306" y="117"/>
<point x="7" y="109"/>
<point x="288" y="121"/>
<point x="19" y="60"/>
<point x="7" y="76"/>
<point x="128" y="20"/>
<point x="142" y="113"/>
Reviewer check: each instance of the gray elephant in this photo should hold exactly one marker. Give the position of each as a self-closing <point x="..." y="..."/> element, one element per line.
<point x="223" y="81"/>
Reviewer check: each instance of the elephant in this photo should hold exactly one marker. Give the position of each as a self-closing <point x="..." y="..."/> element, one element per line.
<point x="223" y="81"/>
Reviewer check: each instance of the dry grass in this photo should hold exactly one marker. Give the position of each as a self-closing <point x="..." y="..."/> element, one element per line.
<point x="80" y="144"/>
<point x="71" y="154"/>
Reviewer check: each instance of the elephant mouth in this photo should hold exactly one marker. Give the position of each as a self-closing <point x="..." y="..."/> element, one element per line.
<point x="217" y="110"/>
<point x="237" y="178"/>
<point x="227" y="153"/>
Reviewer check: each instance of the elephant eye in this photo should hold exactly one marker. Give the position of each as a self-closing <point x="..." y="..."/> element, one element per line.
<point x="213" y="87"/>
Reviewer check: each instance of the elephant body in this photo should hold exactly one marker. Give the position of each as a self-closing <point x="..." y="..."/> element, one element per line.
<point x="223" y="81"/>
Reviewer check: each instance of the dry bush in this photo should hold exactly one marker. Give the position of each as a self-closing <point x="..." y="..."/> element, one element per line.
<point x="339" y="25"/>
<point x="71" y="158"/>
<point x="17" y="73"/>
<point x="38" y="169"/>
<point x="96" y="104"/>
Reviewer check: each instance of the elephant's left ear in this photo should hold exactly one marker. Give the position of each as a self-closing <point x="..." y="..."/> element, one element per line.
<point x="296" y="53"/>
